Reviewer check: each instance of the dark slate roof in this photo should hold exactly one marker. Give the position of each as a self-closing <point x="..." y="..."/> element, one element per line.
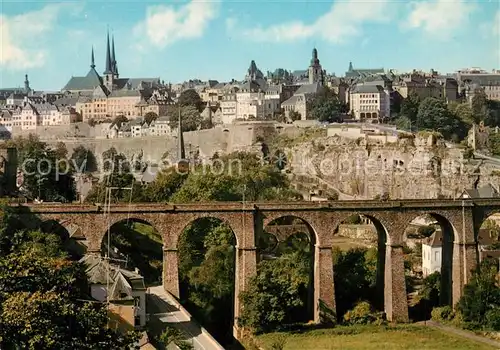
<point x="356" y="73"/>
<point x="299" y="73"/>
<point x="481" y="79"/>
<point x="67" y="101"/>
<point x="487" y="191"/>
<point x="88" y="82"/>
<point x="219" y="86"/>
<point x="125" y="93"/>
<point x="97" y="269"/>
<point x="136" y="83"/>
<point x="368" y="88"/>
<point x="308" y="89"/>
<point x="250" y="86"/>
<point x="212" y="83"/>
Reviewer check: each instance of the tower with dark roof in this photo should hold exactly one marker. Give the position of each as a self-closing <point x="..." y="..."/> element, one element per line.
<point x="108" y="72"/>
<point x="27" y="88"/>
<point x="92" y="60"/>
<point x="315" y="70"/>
<point x="114" y="66"/>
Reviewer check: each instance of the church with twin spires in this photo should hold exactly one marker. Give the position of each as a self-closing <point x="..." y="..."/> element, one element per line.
<point x="108" y="95"/>
<point x="110" y="80"/>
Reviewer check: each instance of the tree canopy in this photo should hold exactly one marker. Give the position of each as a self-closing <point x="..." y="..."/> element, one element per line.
<point x="44" y="302"/>
<point x="83" y="160"/>
<point x="190" y="117"/>
<point x="433" y="114"/>
<point x="46" y="175"/>
<point x="150" y="116"/>
<point x="325" y="106"/>
<point x="190" y="98"/>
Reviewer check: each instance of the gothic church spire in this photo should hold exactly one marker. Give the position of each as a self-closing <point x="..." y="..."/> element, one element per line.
<point x="92" y="61"/>
<point x="108" y="64"/>
<point x="114" y="66"/>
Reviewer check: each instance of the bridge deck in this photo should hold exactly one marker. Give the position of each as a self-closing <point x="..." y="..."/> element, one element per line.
<point x="263" y="206"/>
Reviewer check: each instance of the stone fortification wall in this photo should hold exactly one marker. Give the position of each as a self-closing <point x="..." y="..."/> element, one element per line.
<point x="224" y="139"/>
<point x="419" y="168"/>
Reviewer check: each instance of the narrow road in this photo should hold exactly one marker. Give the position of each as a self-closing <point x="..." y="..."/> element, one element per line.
<point x="165" y="310"/>
<point x="462" y="333"/>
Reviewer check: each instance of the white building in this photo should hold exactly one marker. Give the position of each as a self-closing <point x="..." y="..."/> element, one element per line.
<point x="125" y="287"/>
<point x="370" y="102"/>
<point x="229" y="106"/>
<point x="432" y="249"/>
<point x="49" y="114"/>
<point x="136" y="127"/>
<point x="160" y="127"/>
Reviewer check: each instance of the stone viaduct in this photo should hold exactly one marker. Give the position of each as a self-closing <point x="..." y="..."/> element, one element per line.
<point x="460" y="220"/>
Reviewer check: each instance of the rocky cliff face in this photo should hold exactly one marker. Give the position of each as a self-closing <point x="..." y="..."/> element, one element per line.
<point x="423" y="167"/>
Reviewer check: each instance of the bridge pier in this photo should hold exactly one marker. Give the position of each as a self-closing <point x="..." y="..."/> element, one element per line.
<point x="171" y="271"/>
<point x="324" y="289"/>
<point x="395" y="299"/>
<point x="465" y="260"/>
<point x="245" y="268"/>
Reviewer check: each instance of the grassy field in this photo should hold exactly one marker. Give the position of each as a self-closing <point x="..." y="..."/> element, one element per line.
<point x="407" y="337"/>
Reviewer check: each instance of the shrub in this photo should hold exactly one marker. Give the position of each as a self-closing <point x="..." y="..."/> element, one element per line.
<point x="353" y="220"/>
<point x="362" y="313"/>
<point x="426" y="231"/>
<point x="480" y="302"/>
<point x="444" y="313"/>
<point x="493" y="319"/>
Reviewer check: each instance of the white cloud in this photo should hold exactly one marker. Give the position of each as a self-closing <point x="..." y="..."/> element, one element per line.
<point x="495" y="28"/>
<point x="344" y="20"/>
<point x="230" y="23"/>
<point x="20" y="34"/>
<point x="165" y="25"/>
<point x="440" y="18"/>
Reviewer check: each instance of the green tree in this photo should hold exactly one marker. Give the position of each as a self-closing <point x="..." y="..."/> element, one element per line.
<point x="166" y="183"/>
<point x="464" y="112"/>
<point x="403" y="123"/>
<point x="433" y="114"/>
<point x="325" y="106"/>
<point x="61" y="151"/>
<point x="479" y="104"/>
<point x="44" y="176"/>
<point x="176" y="336"/>
<point x="493" y="117"/>
<point x="119" y="120"/>
<point x="190" y="98"/>
<point x="83" y="160"/>
<point x="494" y="143"/>
<point x="42" y="303"/>
<point x="481" y="297"/>
<point x="275" y="293"/>
<point x="149" y="117"/>
<point x="355" y="277"/>
<point x="190" y="116"/>
<point x="119" y="175"/>
<point x="294" y="115"/>
<point x="409" y="107"/>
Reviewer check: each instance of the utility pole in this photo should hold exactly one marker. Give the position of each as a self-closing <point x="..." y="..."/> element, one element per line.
<point x="107" y="211"/>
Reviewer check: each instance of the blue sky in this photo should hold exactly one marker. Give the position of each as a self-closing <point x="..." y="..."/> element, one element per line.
<point x="179" y="40"/>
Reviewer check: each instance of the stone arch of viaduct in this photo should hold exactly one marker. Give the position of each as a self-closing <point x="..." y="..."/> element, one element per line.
<point x="247" y="220"/>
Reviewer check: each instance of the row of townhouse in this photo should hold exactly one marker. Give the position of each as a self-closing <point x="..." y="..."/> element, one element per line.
<point x="139" y="128"/>
<point x="29" y="116"/>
